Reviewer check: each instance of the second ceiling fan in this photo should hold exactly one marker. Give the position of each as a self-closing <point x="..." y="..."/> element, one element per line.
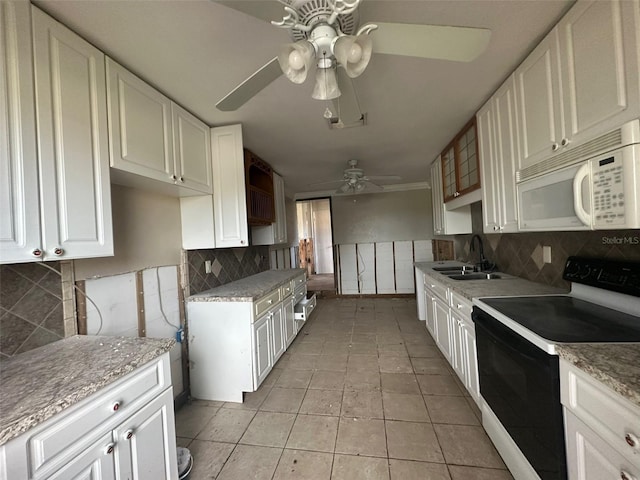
<point x="326" y="34"/>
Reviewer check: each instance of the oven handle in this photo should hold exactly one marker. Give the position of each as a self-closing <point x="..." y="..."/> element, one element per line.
<point x="581" y="213"/>
<point x="497" y="337"/>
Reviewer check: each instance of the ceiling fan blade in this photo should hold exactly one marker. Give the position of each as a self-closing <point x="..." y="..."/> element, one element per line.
<point x="382" y="177"/>
<point x="346" y="106"/>
<point x="250" y="87"/>
<point x="459" y="44"/>
<point x="372" y="187"/>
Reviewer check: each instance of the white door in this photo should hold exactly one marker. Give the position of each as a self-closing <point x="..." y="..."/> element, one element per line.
<point x="539" y="107"/>
<point x="488" y="160"/>
<point x="19" y="202"/>
<point x="73" y="139"/>
<point x="599" y="62"/>
<point x="321" y="224"/>
<point x="140" y="126"/>
<point x="289" y="321"/>
<point x="146" y="442"/>
<point x="192" y="150"/>
<point x="262" y="359"/>
<point x="97" y="462"/>
<point x="506" y="154"/>
<point x="443" y="328"/>
<point x="278" y="338"/>
<point x="229" y="198"/>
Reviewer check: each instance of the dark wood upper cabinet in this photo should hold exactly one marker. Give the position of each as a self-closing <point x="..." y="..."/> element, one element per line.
<point x="258" y="177"/>
<point x="460" y="163"/>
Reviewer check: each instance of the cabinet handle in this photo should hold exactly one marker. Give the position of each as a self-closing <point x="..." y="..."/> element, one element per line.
<point x="116" y="406"/>
<point x="554" y="147"/>
<point x="58" y="251"/>
<point x="631" y="440"/>
<point x="128" y="434"/>
<point x="36" y="253"/>
<point x="624" y="475"/>
<point x="565" y="142"/>
<point x="108" y="450"/>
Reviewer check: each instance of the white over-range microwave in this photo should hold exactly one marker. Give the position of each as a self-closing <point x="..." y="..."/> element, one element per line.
<point x="599" y="190"/>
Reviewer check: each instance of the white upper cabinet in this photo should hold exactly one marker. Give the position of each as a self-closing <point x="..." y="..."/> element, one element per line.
<point x="276" y="233"/>
<point x="154" y="138"/>
<point x="446" y="222"/>
<point x="140" y="121"/>
<point x="599" y="67"/>
<point x="581" y="81"/>
<point x="19" y="206"/>
<point x="499" y="154"/>
<point x="539" y="102"/>
<point x="192" y="149"/>
<point x="71" y="112"/>
<point x="229" y="197"/>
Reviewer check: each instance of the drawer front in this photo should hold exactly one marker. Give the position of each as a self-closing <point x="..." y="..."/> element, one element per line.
<point x="588" y="400"/>
<point x="55" y="442"/>
<point x="437" y="288"/>
<point x="286" y="290"/>
<point x="268" y="301"/>
<point x="299" y="281"/>
<point x="460" y="304"/>
<point x="303" y="309"/>
<point x="299" y="294"/>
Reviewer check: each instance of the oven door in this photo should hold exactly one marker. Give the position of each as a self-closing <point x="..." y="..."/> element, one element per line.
<point x="520" y="383"/>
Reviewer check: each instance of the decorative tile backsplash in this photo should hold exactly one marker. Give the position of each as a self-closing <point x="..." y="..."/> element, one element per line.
<point x="520" y="254"/>
<point x="227" y="265"/>
<point x="31" y="313"/>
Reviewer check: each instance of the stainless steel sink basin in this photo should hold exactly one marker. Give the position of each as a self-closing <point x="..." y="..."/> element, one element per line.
<point x="462" y="268"/>
<point x="476" y="276"/>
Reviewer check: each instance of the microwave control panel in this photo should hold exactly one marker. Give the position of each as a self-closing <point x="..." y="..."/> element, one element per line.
<point x="608" y="191"/>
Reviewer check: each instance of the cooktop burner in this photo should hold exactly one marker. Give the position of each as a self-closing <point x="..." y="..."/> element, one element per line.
<point x="567" y="319"/>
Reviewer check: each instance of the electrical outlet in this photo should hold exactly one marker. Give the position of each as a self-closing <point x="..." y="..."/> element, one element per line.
<point x="207" y="266"/>
<point x="546" y="254"/>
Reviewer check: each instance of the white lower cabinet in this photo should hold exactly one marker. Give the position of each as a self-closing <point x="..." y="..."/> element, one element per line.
<point x="602" y="428"/>
<point x="124" y="431"/>
<point x="443" y="328"/>
<point x="233" y="345"/>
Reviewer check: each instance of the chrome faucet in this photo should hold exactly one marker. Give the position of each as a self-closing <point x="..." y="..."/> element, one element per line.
<point x="482" y="264"/>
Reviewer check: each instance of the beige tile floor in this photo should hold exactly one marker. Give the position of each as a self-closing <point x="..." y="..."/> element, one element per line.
<point x="362" y="393"/>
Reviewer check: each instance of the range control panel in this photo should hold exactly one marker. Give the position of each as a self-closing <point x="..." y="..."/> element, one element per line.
<point x="618" y="276"/>
<point x="608" y="191"/>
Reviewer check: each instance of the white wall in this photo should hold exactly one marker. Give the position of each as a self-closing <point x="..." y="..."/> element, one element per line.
<point x="382" y="217"/>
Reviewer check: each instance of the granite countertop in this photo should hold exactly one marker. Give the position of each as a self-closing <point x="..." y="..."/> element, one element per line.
<point x="507" y="285"/>
<point x="616" y="365"/>
<point x="43" y="382"/>
<point x="248" y="289"/>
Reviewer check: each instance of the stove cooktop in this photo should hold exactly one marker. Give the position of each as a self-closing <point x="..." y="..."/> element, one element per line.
<point x="567" y="319"/>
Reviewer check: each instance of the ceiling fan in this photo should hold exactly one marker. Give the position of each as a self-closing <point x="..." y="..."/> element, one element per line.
<point x="327" y="34"/>
<point x="355" y="181"/>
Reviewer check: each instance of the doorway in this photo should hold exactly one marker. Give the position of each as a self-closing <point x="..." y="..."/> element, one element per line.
<point x="315" y="237"/>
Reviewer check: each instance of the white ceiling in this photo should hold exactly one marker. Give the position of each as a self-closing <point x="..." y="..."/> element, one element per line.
<point x="196" y="51"/>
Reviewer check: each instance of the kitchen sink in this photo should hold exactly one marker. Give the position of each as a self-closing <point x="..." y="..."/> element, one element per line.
<point x="463" y="268"/>
<point x="476" y="276"/>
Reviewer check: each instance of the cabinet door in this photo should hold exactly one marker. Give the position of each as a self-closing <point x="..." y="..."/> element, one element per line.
<point x="262" y="361"/>
<point x="20" y="212"/>
<point x="192" y="150"/>
<point x="437" y="198"/>
<point x="289" y="321"/>
<point x="457" y="346"/>
<point x="539" y="107"/>
<point x="98" y="462"/>
<point x="140" y="126"/>
<point x="281" y="213"/>
<point x="470" y="359"/>
<point x="506" y="155"/>
<point x="278" y="338"/>
<point x="443" y="328"/>
<point x="490" y="193"/>
<point x="73" y="139"/>
<point x="229" y="199"/>
<point x="430" y="313"/>
<point x="146" y="442"/>
<point x="599" y="61"/>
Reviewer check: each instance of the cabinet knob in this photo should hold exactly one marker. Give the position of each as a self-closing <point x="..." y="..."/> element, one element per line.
<point x="501" y="227"/>
<point x="174" y="178"/>
<point x="459" y="305"/>
<point x="624" y="475"/>
<point x="241" y="242"/>
<point x="128" y="434"/>
<point x="108" y="450"/>
<point x="269" y="302"/>
<point x="554" y="147"/>
<point x="565" y="142"/>
<point x="631" y="440"/>
<point x="182" y="179"/>
<point x="36" y="253"/>
<point x="495" y="228"/>
<point x="58" y="251"/>
<point x="116" y="406"/>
